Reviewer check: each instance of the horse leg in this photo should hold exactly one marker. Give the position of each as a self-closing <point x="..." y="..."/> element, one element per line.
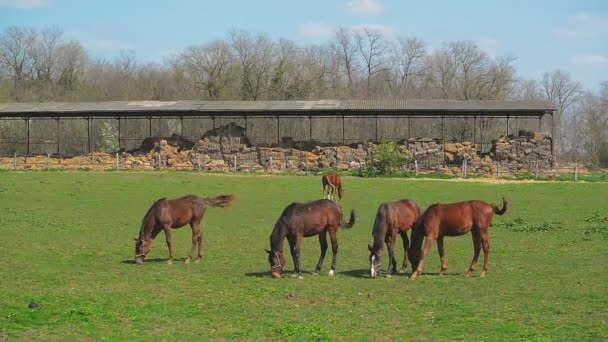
<point x="476" y="249"/>
<point x="196" y="232"/>
<point x="485" y="243"/>
<point x="334" y="249"/>
<point x="406" y="244"/>
<point x="292" y="250"/>
<point x="392" y="263"/>
<point x="297" y="256"/>
<point x="167" y="229"/>
<point x="444" y="265"/>
<point x="427" y="248"/>
<point x="323" y="243"/>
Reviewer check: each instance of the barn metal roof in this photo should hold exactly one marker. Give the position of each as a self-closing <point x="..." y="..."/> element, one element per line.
<point x="321" y="107"/>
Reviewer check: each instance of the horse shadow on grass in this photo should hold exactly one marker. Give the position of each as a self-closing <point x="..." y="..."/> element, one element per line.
<point x="153" y="260"/>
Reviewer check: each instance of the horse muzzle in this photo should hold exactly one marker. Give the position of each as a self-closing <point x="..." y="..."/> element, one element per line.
<point x="276" y="275"/>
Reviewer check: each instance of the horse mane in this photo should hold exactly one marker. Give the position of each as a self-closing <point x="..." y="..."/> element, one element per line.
<point x="278" y="232"/>
<point x="143" y="221"/>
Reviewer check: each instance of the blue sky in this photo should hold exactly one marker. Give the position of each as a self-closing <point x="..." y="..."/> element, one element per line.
<point x="542" y="34"/>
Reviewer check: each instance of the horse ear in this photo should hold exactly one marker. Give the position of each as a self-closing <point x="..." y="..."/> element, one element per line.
<point x="267" y="251"/>
<point x="370" y="248"/>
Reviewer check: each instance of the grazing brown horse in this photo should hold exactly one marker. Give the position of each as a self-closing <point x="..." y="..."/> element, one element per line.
<point x="165" y="214"/>
<point x="391" y="218"/>
<point x="331" y="186"/>
<point x="305" y="220"/>
<point x="454" y="219"/>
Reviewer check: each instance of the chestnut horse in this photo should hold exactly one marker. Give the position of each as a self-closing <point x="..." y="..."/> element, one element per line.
<point x="391" y="218"/>
<point x="305" y="220"/>
<point x="331" y="186"/>
<point x="165" y="214"/>
<point x="454" y="219"/>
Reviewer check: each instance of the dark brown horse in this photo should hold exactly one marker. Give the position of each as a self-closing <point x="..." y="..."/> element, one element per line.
<point x="392" y="218"/>
<point x="304" y="220"/>
<point x="454" y="219"/>
<point x="166" y="214"/>
<point x="332" y="185"/>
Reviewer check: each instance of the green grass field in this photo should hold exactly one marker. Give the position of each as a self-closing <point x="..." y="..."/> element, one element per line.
<point x="67" y="243"/>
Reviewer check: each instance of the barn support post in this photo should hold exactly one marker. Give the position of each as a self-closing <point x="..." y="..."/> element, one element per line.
<point x="443" y="138"/>
<point x="149" y="126"/>
<point x="343" y="139"/>
<point x="507" y="127"/>
<point x="540" y="124"/>
<point x="88" y="118"/>
<point x="58" y="131"/>
<point x="376" y="127"/>
<point x="409" y="125"/>
<point x="181" y="125"/>
<point x="474" y="132"/>
<point x="278" y="130"/>
<point x="310" y="128"/>
<point x="553" y="147"/>
<point x="517" y="125"/>
<point x="27" y="136"/>
<point x="119" y="136"/>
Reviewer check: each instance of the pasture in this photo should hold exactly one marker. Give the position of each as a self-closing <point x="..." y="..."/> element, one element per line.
<point x="67" y="243"/>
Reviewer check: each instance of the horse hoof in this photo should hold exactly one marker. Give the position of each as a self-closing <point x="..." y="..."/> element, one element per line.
<point x="388" y="275"/>
<point x="197" y="260"/>
<point x="401" y="271"/>
<point x="483" y="274"/>
<point x="331" y="273"/>
<point x="169" y="262"/>
<point x="294" y="275"/>
<point x="300" y="277"/>
<point x="315" y="273"/>
<point x="187" y="261"/>
<point x="468" y="274"/>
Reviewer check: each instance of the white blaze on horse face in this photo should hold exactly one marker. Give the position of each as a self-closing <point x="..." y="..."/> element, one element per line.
<point x="371" y="267"/>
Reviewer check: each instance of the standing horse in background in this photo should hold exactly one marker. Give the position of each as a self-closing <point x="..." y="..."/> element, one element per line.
<point x="166" y="214"/>
<point x="454" y="219"/>
<point x="331" y="186"/>
<point x="391" y="218"/>
<point x="300" y="220"/>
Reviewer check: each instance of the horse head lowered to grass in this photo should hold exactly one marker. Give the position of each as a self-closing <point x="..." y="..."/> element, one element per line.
<point x="300" y="220"/>
<point x="166" y="214"/>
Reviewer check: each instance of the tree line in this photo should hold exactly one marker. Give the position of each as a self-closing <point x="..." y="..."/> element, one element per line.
<point x="42" y="65"/>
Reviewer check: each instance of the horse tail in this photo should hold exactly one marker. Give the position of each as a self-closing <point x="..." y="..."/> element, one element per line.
<point x="350" y="223"/>
<point x="221" y="201"/>
<point x="505" y="205"/>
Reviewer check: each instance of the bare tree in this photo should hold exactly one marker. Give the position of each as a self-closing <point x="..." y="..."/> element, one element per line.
<point x="16" y="45"/>
<point x="208" y="68"/>
<point x="346" y="48"/>
<point x="558" y="87"/>
<point x="373" y="49"/>
<point x="71" y="65"/>
<point x="408" y="62"/>
<point x="255" y="56"/>
<point x="443" y="71"/>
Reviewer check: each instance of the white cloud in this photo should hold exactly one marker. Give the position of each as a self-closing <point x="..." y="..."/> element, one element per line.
<point x="316" y="30"/>
<point x="584" y="26"/>
<point x="25" y="4"/>
<point x="386" y="31"/>
<point x="590" y="60"/>
<point x="365" y="7"/>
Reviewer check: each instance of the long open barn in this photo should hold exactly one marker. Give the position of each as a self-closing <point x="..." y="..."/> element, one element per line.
<point x="73" y="128"/>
